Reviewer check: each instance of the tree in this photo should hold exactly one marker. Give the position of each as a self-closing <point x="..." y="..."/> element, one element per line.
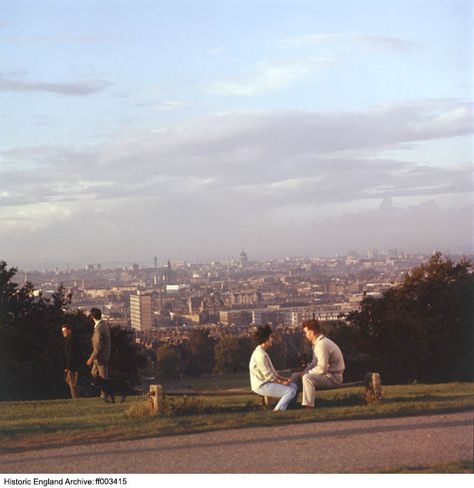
<point x="31" y="344"/>
<point x="201" y="346"/>
<point x="226" y="354"/>
<point x="31" y="349"/>
<point x="127" y="357"/>
<point x="167" y="362"/>
<point x="279" y="351"/>
<point x="232" y="354"/>
<point x="423" y="329"/>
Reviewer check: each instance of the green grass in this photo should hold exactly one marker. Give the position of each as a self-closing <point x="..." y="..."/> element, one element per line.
<point x="26" y="425"/>
<point x="460" y="467"/>
<point x="236" y="380"/>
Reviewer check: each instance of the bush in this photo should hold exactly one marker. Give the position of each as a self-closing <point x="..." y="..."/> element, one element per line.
<point x="178" y="406"/>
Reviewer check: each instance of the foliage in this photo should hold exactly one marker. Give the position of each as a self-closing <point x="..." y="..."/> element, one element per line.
<point x="279" y="351"/>
<point x="31" y="349"/>
<point x="167" y="362"/>
<point x="31" y="344"/>
<point x="201" y="348"/>
<point x="232" y="354"/>
<point x="421" y="330"/>
<point x="356" y="360"/>
<point x="188" y="406"/>
<point x="127" y="358"/>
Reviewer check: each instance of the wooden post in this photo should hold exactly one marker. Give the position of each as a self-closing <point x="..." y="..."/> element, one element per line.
<point x="156" y="400"/>
<point x="373" y="388"/>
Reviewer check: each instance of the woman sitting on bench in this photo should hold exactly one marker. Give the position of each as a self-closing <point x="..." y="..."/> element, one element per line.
<point x="264" y="379"/>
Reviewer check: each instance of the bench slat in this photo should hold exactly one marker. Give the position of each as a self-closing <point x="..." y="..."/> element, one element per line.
<point x="241" y="391"/>
<point x="232" y="392"/>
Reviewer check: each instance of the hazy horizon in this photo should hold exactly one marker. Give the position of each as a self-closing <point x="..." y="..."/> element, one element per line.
<point x="192" y="130"/>
<point x="148" y="261"/>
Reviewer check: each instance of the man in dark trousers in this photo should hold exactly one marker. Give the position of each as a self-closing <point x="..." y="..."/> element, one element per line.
<point x="100" y="357"/>
<point x="73" y="359"/>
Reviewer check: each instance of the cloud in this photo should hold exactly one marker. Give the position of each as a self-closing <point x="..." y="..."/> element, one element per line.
<point x="162" y="106"/>
<point x="267" y="78"/>
<point x="216" y="50"/>
<point x="378" y="42"/>
<point x="415" y="227"/>
<point x="80" y="88"/>
<point x="281" y="154"/>
<point x="62" y="39"/>
<point x="387" y="43"/>
<point x="215" y="180"/>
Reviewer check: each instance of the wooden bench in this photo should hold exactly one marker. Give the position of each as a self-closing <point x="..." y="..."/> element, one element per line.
<point x="371" y="382"/>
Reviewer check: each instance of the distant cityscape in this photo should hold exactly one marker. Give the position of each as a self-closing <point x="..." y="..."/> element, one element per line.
<point x="164" y="302"/>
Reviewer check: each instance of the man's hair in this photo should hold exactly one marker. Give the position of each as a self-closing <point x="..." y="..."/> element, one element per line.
<point x="313" y="325"/>
<point x="96" y="313"/>
<point x="262" y="333"/>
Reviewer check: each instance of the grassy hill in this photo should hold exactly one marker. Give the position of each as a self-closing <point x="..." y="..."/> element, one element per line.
<point x="39" y="424"/>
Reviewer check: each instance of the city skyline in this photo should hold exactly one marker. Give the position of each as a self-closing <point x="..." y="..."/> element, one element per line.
<point x="233" y="261"/>
<point x="195" y="129"/>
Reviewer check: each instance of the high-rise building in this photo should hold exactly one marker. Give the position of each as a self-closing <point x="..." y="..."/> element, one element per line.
<point x="141" y="315"/>
<point x="372" y="253"/>
<point x="243" y="260"/>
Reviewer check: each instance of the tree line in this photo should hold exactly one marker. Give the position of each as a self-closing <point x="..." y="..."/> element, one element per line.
<point x="202" y="354"/>
<point x="31" y="344"/>
<point x="421" y="330"/>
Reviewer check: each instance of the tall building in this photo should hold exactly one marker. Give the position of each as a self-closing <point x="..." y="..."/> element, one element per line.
<point x="372" y="253"/>
<point x="243" y="260"/>
<point x="141" y="316"/>
<point x="169" y="271"/>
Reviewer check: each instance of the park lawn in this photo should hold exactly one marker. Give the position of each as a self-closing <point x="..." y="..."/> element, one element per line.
<point x="460" y="467"/>
<point x="235" y="380"/>
<point x="53" y="423"/>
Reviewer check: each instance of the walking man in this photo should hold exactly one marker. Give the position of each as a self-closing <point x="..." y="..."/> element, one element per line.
<point x="73" y="359"/>
<point x="326" y="368"/>
<point x="100" y="357"/>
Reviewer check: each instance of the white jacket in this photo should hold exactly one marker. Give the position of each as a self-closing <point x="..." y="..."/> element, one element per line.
<point x="327" y="358"/>
<point x="261" y="369"/>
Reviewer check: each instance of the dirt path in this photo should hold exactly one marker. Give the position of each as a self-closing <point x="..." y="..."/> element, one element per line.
<point x="332" y="447"/>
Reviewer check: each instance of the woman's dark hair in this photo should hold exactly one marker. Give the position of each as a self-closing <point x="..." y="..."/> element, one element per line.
<point x="262" y="333"/>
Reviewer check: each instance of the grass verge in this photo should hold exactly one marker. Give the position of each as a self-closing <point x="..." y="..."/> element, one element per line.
<point x="461" y="467"/>
<point x="41" y="424"/>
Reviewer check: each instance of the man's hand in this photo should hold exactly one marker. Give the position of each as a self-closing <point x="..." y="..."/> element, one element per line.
<point x="89" y="362"/>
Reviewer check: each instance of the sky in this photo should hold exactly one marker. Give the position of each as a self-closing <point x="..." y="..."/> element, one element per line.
<point x="194" y="129"/>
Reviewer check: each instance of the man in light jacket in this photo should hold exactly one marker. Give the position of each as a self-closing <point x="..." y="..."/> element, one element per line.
<point x="100" y="357"/>
<point x="326" y="368"/>
<point x="264" y="379"/>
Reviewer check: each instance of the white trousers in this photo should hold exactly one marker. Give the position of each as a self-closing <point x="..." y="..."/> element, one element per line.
<point x="285" y="393"/>
<point x="312" y="382"/>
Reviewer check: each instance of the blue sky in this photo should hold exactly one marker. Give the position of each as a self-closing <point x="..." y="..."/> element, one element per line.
<point x="193" y="129"/>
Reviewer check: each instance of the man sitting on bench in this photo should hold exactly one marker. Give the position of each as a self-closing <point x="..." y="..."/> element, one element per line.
<point x="325" y="370"/>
